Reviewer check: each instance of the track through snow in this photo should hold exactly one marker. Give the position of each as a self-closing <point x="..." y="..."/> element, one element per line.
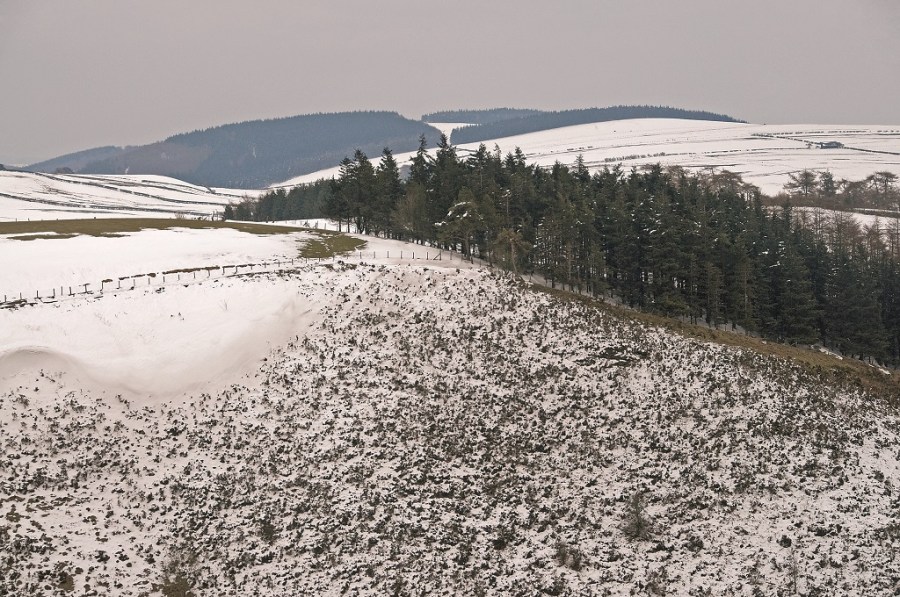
<point x="418" y="430"/>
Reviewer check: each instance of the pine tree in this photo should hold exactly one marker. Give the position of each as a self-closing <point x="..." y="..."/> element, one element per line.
<point x="795" y="309"/>
<point x="802" y="183"/>
<point x="853" y="319"/>
<point x="420" y="165"/>
<point x="388" y="192"/>
<point x="410" y="216"/>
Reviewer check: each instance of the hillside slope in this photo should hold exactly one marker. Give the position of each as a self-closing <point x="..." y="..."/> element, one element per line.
<point x="251" y="155"/>
<point x="36" y="196"/>
<point x="542" y="121"/>
<point x="428" y="430"/>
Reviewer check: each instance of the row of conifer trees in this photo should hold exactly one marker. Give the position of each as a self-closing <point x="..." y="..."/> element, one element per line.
<point x="695" y="246"/>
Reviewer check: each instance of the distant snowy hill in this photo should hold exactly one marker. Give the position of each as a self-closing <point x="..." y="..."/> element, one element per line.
<point x="542" y="121"/>
<point x="380" y="426"/>
<point x="763" y="154"/>
<point x="35" y="196"/>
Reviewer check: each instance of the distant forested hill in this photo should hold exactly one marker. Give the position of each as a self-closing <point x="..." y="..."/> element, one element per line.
<point x="257" y="153"/>
<point x="551" y="120"/>
<point x="479" y="116"/>
<point x="78" y="160"/>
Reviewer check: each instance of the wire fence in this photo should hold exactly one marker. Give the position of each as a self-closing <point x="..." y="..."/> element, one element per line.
<point x="193" y="275"/>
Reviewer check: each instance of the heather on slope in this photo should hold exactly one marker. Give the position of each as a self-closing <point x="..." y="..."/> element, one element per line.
<point x="447" y="431"/>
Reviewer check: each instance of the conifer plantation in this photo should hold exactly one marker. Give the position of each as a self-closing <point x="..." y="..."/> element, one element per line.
<point x="702" y="247"/>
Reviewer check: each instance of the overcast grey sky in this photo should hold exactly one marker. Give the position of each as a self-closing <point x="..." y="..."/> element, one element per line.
<point x="76" y="74"/>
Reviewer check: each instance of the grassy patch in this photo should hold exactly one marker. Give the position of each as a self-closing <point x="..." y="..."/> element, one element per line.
<point x="188" y="270"/>
<point x="46" y="236"/>
<point x="111" y="227"/>
<point x="330" y="245"/>
<point x="838" y="371"/>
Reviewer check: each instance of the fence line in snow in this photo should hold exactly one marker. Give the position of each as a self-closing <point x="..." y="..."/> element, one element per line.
<point x="187" y="276"/>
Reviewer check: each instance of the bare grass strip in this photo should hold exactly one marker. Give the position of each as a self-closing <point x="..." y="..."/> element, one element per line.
<point x="111" y="227"/>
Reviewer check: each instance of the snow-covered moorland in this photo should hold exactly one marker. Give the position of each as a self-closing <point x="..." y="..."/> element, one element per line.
<point x="35" y="196"/>
<point x="414" y="429"/>
<point x="763" y="154"/>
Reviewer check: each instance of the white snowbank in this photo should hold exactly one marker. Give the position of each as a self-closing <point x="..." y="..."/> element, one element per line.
<point x="155" y="342"/>
<point x="165" y="339"/>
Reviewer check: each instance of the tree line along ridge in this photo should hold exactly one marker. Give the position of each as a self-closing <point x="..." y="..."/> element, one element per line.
<point x="699" y="246"/>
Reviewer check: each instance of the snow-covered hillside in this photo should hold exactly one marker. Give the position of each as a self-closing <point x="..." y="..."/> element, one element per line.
<point x="33" y="196"/>
<point x="763" y="154"/>
<point x="417" y="428"/>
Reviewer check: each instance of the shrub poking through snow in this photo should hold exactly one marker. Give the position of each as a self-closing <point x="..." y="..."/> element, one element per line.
<point x="635" y="524"/>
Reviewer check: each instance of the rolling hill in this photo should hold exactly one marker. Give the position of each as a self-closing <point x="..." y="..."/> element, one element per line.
<point x="253" y="154"/>
<point x="764" y="155"/>
<point x="542" y="121"/>
<point x="37" y="196"/>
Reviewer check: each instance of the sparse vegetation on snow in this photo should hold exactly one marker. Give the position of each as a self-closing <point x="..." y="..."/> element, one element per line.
<point x="443" y="431"/>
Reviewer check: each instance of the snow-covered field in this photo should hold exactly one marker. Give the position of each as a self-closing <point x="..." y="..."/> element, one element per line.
<point x="31" y="196"/>
<point x="187" y="337"/>
<point x="43" y="264"/>
<point x="390" y="427"/>
<point x="763" y="154"/>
